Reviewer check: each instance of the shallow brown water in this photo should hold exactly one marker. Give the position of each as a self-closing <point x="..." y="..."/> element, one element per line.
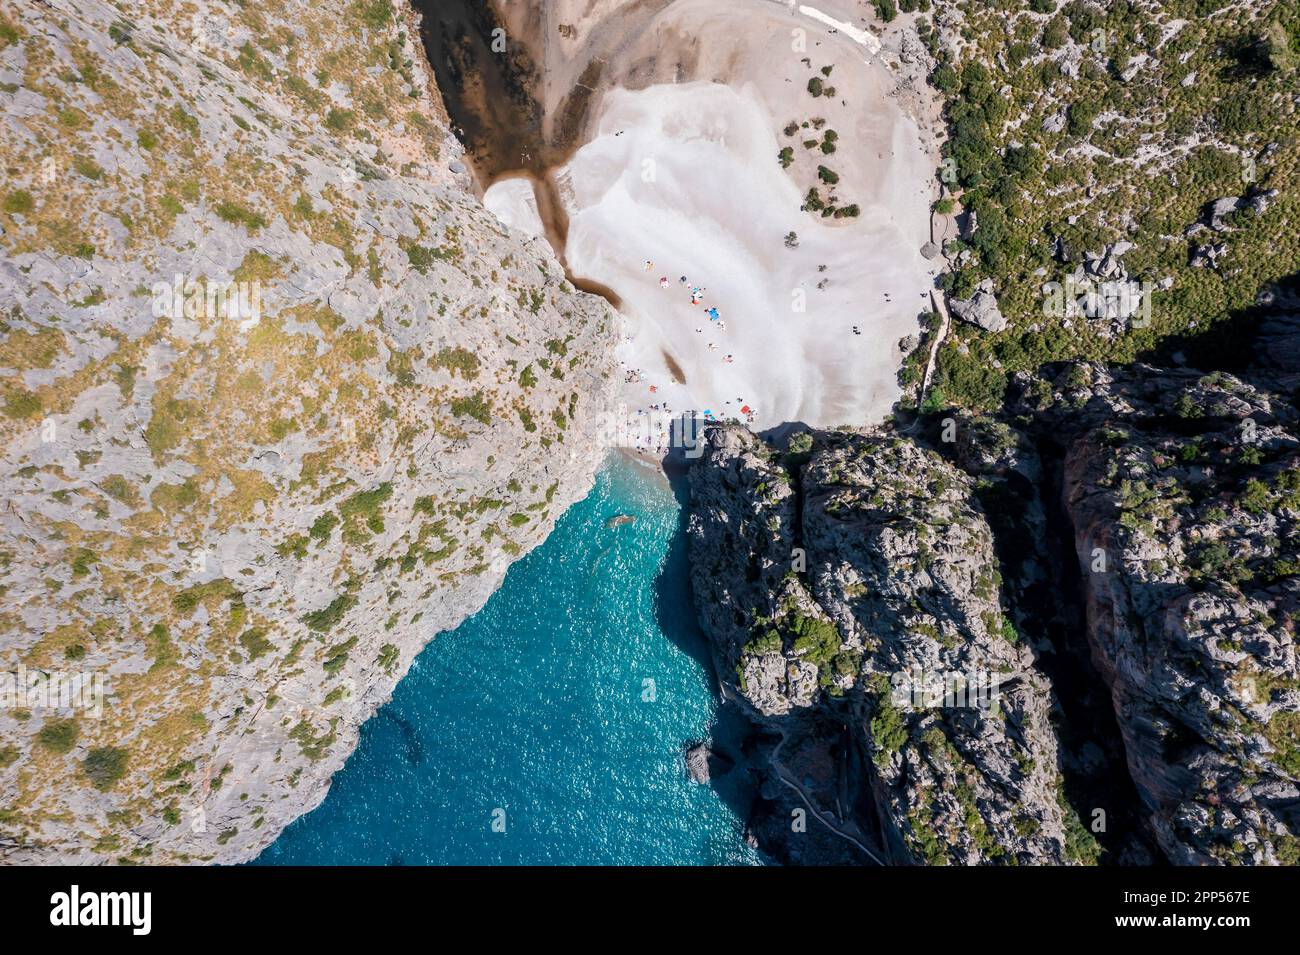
<point x="493" y="101"/>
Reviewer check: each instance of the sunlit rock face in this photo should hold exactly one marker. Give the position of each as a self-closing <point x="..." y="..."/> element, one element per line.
<point x="281" y="401"/>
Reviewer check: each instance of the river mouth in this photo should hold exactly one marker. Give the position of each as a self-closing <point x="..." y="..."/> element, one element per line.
<point x="488" y="86"/>
<point x="490" y="81"/>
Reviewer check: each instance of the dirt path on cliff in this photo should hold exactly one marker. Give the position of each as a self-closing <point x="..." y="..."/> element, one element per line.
<point x="785" y="777"/>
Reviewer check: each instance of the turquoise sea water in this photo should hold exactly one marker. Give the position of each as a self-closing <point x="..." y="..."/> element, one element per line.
<point x="565" y="702"/>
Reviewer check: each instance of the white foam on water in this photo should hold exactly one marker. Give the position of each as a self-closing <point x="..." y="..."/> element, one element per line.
<point x="686" y="176"/>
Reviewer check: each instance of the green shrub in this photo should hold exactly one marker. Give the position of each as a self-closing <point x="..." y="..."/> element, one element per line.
<point x="58" y="736"/>
<point x="255" y="643"/>
<point x="459" y="361"/>
<point x="237" y="214"/>
<point x="105" y="766"/>
<point x="375" y="14"/>
<point x="888" y="727"/>
<point x="816" y="640"/>
<point x="340" y="120"/>
<point x="19" y="202"/>
<point x="326" y="617"/>
<point x="474" y="406"/>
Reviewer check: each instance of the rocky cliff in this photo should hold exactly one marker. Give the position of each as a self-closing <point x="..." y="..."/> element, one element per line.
<point x="852" y="586"/>
<point x="280" y="401"/>
<point x="1148" y="697"/>
<point x="1183" y="493"/>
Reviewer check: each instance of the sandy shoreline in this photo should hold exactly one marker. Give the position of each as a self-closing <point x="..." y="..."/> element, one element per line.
<point x="678" y="169"/>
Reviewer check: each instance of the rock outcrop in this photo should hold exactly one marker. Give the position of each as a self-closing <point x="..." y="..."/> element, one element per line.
<point x="829" y="580"/>
<point x="704" y="763"/>
<point x="981" y="308"/>
<point x="1183" y="491"/>
<point x="861" y="586"/>
<point x="248" y="506"/>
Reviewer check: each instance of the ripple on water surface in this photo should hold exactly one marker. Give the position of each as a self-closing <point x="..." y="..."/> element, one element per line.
<point x="537" y="705"/>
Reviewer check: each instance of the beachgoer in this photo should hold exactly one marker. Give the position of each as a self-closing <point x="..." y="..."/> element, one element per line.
<point x="649" y="265"/>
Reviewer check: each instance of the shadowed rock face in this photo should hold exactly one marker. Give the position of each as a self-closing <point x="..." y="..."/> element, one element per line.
<point x="896" y="581"/>
<point x="250" y="526"/>
<point x="1178" y="492"/>
<point x="1184" y="491"/>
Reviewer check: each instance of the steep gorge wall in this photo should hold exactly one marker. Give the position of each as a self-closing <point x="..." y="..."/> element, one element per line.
<point x="1183" y="491"/>
<point x="880" y="564"/>
<point x="823" y="573"/>
<point x="251" y="525"/>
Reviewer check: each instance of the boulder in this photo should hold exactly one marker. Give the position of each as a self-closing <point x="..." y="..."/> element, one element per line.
<point x="1207" y="256"/>
<point x="980" y="309"/>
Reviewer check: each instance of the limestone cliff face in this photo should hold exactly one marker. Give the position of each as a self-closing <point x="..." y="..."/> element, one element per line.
<point x="1160" y="638"/>
<point x="857" y="586"/>
<point x="1183" y="491"/>
<point x="250" y="519"/>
